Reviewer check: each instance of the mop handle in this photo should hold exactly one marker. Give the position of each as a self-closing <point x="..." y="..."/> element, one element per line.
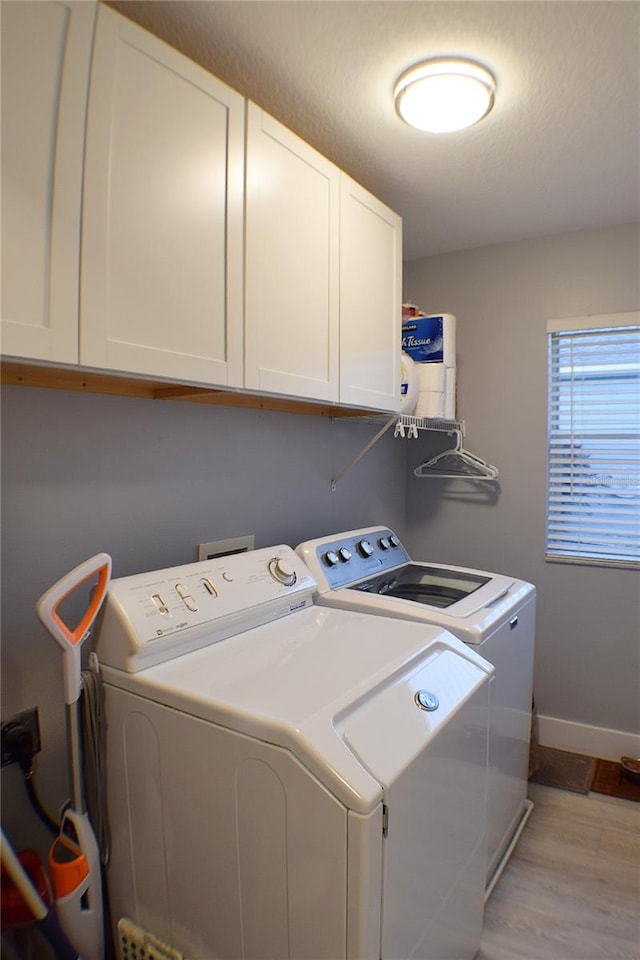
<point x="71" y="639"/>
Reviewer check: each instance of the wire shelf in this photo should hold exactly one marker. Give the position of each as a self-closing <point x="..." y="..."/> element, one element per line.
<point x="433" y="423"/>
<point x="404" y="426"/>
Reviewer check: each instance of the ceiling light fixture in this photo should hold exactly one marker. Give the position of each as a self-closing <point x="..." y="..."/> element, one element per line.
<point x="444" y="94"/>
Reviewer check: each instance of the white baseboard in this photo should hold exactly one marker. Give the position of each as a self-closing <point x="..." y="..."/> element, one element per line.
<point x="582" y="738"/>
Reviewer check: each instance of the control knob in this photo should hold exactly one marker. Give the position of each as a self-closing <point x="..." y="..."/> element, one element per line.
<point x="365" y="548"/>
<point x="344" y="554"/>
<point x="330" y="558"/>
<point x="282" y="571"/>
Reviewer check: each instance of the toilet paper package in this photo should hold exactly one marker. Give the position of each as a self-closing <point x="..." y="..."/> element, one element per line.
<point x="430" y="405"/>
<point x="436" y="391"/>
<point x="431" y="342"/>
<point x="431" y="339"/>
<point x="431" y="377"/>
<point x="431" y="390"/>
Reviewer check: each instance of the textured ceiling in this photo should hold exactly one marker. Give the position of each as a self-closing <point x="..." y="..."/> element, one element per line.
<point x="559" y="152"/>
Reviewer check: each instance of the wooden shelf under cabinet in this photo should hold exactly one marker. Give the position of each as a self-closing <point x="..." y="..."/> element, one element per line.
<point x="18" y="373"/>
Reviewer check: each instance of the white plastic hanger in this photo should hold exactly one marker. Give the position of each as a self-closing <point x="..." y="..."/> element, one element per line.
<point x="457" y="463"/>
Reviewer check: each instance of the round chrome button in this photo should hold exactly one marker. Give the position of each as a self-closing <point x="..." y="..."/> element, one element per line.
<point x="426" y="700"/>
<point x="330" y="558"/>
<point x="344" y="554"/>
<point x="393" y="540"/>
<point x="365" y="548"/>
<point x="384" y="543"/>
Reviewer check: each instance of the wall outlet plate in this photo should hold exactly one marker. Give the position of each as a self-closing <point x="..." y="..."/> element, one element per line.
<point x="224" y="548"/>
<point x="27" y="719"/>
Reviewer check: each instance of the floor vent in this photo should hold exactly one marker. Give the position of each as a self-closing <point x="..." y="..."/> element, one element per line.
<point x="137" y="944"/>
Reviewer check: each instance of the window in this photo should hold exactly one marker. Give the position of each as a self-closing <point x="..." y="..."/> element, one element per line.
<point x="593" y="486"/>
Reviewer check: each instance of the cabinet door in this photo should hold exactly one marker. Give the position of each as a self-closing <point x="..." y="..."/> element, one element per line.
<point x="370" y="300"/>
<point x="46" y="49"/>
<point x="291" y="285"/>
<point x="161" y="290"/>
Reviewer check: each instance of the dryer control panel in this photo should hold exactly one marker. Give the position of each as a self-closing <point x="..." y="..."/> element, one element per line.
<point x="152" y="617"/>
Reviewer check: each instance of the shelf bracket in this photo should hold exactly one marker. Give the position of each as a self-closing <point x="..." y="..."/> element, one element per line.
<point x="365" y="449"/>
<point x="414" y="423"/>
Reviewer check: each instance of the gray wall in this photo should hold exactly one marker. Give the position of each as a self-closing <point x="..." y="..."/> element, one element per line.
<point x="145" y="481"/>
<point x="588" y="636"/>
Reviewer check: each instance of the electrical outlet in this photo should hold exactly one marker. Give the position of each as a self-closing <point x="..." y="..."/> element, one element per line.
<point x="27" y="720"/>
<point x="224" y="548"/>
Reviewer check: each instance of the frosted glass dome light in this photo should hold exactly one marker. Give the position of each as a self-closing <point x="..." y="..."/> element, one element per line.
<point x="442" y="95"/>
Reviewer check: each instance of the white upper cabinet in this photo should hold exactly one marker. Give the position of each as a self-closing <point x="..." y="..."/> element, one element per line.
<point x="322" y="277"/>
<point x="370" y="300"/>
<point x="161" y="277"/>
<point x="291" y="264"/>
<point x="157" y="224"/>
<point x="46" y="50"/>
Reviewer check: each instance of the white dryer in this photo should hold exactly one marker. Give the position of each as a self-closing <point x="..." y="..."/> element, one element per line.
<point x="284" y="782"/>
<point x="370" y="571"/>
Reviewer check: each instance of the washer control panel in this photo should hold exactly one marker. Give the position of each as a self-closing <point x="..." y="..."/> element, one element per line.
<point x="155" y="616"/>
<point x="352" y="556"/>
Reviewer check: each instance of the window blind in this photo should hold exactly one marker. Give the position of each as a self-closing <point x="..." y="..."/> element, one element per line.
<point x="593" y="489"/>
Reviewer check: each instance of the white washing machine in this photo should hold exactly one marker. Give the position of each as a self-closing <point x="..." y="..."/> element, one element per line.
<point x="370" y="571"/>
<point x="284" y="782"/>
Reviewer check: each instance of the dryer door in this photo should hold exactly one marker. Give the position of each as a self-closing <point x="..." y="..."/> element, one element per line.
<point x="425" y="739"/>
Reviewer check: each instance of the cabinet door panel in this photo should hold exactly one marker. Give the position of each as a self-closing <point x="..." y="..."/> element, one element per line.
<point x="46" y="47"/>
<point x="162" y="243"/>
<point x="291" y="334"/>
<point x="370" y="300"/>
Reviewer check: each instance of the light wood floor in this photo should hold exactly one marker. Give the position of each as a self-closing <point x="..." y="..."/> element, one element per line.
<point x="571" y="890"/>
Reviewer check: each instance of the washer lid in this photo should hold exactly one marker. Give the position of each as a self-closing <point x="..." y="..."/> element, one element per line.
<point x="430" y="585"/>
<point x="288" y="681"/>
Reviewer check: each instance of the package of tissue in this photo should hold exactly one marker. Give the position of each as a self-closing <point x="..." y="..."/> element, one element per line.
<point x="430" y="339"/>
